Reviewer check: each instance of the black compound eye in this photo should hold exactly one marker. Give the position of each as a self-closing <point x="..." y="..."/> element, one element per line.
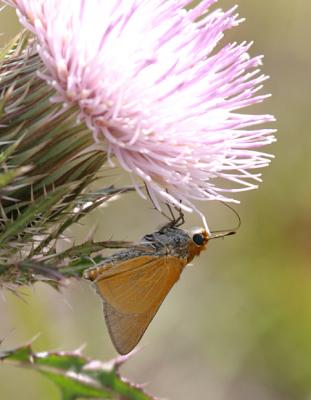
<point x="198" y="239"/>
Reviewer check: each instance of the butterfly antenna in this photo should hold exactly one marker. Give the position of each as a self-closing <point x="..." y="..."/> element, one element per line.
<point x="221" y="233"/>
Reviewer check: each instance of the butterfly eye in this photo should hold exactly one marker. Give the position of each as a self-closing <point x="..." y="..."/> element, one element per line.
<point x="198" y="239"/>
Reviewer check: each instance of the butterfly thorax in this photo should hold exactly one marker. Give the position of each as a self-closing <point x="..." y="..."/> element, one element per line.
<point x="169" y="242"/>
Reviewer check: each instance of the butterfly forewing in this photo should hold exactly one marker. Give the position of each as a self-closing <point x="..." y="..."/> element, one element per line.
<point x="132" y="295"/>
<point x="124" y="285"/>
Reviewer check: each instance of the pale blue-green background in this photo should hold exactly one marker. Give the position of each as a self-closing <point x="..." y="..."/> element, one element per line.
<point x="238" y="324"/>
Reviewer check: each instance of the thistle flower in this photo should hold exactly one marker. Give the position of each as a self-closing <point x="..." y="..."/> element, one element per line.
<point x="150" y="84"/>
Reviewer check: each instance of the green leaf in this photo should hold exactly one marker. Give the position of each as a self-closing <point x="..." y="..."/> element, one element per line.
<point x="77" y="376"/>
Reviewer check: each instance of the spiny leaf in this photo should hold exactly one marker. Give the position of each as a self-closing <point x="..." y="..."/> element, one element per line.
<point x="7" y="177"/>
<point x="37" y="207"/>
<point x="16" y="44"/>
<point x="76" y="267"/>
<point x="97" y="199"/>
<point x="4" y="155"/>
<point x="77" y="377"/>
<point x="89" y="247"/>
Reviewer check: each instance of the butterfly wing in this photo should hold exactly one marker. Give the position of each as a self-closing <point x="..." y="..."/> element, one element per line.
<point x="132" y="292"/>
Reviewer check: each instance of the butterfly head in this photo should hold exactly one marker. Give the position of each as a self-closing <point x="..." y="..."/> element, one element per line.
<point x="198" y="242"/>
<point x="199" y="238"/>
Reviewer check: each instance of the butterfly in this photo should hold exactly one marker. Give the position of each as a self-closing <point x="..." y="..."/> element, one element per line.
<point x="134" y="282"/>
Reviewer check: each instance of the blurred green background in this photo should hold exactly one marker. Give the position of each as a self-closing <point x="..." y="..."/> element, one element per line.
<point x="238" y="324"/>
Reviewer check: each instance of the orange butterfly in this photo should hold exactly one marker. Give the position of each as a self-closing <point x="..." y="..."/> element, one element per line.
<point x="133" y="283"/>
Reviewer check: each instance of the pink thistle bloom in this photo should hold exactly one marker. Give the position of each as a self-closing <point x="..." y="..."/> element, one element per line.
<point x="154" y="91"/>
